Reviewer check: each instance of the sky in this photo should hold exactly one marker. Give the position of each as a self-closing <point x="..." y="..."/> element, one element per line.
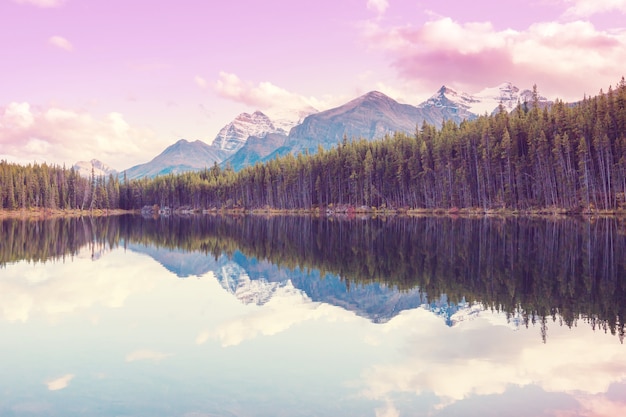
<point x="120" y="80"/>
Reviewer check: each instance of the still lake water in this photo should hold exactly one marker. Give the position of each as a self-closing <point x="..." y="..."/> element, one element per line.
<point x="301" y="316"/>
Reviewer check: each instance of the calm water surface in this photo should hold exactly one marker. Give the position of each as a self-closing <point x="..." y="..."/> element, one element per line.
<point x="298" y="316"/>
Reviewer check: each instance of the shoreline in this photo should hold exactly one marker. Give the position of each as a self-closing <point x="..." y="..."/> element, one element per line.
<point x="40" y="213"/>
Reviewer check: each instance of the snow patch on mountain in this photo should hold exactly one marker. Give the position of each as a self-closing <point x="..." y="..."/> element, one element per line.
<point x="471" y="311"/>
<point x="286" y="119"/>
<point x="233" y="136"/>
<point x="506" y="94"/>
<point x="234" y="279"/>
<point x="83" y="168"/>
<point x="455" y="314"/>
<point x="486" y="101"/>
<point x="449" y="97"/>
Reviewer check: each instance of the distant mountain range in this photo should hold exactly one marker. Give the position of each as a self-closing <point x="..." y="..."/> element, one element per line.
<point x="252" y="138"/>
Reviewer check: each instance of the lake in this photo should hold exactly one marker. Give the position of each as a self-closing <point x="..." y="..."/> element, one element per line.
<point x="302" y="316"/>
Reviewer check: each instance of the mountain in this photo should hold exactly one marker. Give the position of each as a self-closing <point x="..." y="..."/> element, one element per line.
<point x="180" y="157"/>
<point x="83" y="168"/>
<point x="370" y="116"/>
<point x="234" y="135"/>
<point x="486" y="101"/>
<point x="257" y="137"/>
<point x="448" y="101"/>
<point x="256" y="149"/>
<point x="507" y="95"/>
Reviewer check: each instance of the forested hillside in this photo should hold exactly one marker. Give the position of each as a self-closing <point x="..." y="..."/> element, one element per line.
<point x="54" y="187"/>
<point x="571" y="157"/>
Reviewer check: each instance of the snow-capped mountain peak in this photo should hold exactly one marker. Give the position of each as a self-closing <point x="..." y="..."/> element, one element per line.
<point x="486" y="101"/>
<point x="83" y="168"/>
<point x="285" y="119"/>
<point x="235" y="280"/>
<point x="233" y="136"/>
<point x="449" y="97"/>
<point x="456" y="314"/>
<point x="489" y="99"/>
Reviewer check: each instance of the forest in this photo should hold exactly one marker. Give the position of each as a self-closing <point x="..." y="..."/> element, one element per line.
<point x="570" y="157"/>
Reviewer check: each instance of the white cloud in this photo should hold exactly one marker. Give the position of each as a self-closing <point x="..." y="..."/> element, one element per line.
<point x="61" y="42"/>
<point x="567" y="59"/>
<point x="265" y="95"/>
<point x="55" y="290"/>
<point x="59" y="383"/>
<point x="60" y="135"/>
<point x="600" y="406"/>
<point x="389" y="410"/>
<point x="379" y="6"/>
<point x="17" y="116"/>
<point x="36" y="146"/>
<point x="587" y="8"/>
<point x="480" y="358"/>
<point x="42" y="3"/>
<point x="201" y="82"/>
<point x="202" y="337"/>
<point x="146" y="355"/>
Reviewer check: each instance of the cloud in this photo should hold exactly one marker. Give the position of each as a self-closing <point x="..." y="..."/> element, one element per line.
<point x="60" y="135"/>
<point x="389" y="410"/>
<point x="587" y="8"/>
<point x="264" y="95"/>
<point x="146" y="355"/>
<point x="379" y="6"/>
<point x="200" y="82"/>
<point x="558" y="57"/>
<point x="202" y="337"/>
<point x="42" y="3"/>
<point x="599" y="406"/>
<point x="17" y="116"/>
<point x="61" y="42"/>
<point x="59" y="383"/>
<point x="55" y="290"/>
<point x="482" y="358"/>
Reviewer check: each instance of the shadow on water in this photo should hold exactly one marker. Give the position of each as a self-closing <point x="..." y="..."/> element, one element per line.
<point x="565" y="269"/>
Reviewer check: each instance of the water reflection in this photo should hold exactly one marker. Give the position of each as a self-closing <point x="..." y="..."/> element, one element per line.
<point x="481" y="358"/>
<point x="539" y="268"/>
<point x="310" y="316"/>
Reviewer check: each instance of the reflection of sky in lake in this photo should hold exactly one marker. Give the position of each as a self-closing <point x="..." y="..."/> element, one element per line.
<point x="123" y="336"/>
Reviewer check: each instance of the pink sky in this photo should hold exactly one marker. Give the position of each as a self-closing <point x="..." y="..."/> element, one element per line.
<point x="119" y="80"/>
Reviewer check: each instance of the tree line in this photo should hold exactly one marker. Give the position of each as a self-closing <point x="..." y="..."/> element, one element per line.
<point x="55" y="187"/>
<point x="571" y="157"/>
